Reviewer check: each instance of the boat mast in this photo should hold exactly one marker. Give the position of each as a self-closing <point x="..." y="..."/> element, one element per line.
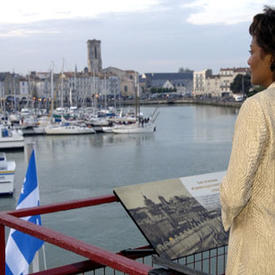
<point x="74" y="88"/>
<point x="62" y="84"/>
<point x="2" y="98"/>
<point x="14" y="90"/>
<point x="29" y="91"/>
<point x="52" y="100"/>
<point x="95" y="93"/>
<point x="137" y="96"/>
<point x="70" y="98"/>
<point x="105" y="92"/>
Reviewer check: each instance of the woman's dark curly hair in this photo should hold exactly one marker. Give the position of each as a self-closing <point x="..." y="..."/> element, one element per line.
<point x="263" y="29"/>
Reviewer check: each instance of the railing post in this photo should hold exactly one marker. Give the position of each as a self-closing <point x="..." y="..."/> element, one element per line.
<point x="2" y="250"/>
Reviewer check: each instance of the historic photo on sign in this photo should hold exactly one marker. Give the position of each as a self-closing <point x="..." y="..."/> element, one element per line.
<point x="178" y="217"/>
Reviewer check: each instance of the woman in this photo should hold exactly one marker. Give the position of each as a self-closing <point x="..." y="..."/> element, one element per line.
<point x="247" y="192"/>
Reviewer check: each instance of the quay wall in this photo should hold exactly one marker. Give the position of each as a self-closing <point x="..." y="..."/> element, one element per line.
<point x="221" y="103"/>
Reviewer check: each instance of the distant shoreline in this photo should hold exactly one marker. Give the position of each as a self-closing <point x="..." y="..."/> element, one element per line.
<point x="211" y="102"/>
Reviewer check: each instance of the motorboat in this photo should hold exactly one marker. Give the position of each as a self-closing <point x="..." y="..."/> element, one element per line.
<point x="7" y="172"/>
<point x="11" y="138"/>
<point x="68" y="129"/>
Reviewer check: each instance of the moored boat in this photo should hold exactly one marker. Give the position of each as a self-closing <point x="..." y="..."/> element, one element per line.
<point x="7" y="172"/>
<point x="33" y="130"/>
<point x="31" y="126"/>
<point x="135" y="128"/>
<point x="65" y="129"/>
<point x="11" y="138"/>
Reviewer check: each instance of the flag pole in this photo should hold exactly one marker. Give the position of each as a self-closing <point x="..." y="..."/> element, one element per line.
<point x="28" y="148"/>
<point x="27" y="151"/>
<point x="19" y="256"/>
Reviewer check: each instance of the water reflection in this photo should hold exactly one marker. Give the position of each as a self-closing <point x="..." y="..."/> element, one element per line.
<point x="208" y="112"/>
<point x="211" y="124"/>
<point x="64" y="143"/>
<point x="137" y="139"/>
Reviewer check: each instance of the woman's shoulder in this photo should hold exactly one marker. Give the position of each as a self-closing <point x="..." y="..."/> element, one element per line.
<point x="262" y="102"/>
<point x="263" y="97"/>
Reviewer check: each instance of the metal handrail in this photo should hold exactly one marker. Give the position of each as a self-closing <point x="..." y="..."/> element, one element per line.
<point x="96" y="257"/>
<point x="95" y="254"/>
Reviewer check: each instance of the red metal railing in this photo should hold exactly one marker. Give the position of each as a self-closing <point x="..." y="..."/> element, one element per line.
<point x="95" y="254"/>
<point x="123" y="261"/>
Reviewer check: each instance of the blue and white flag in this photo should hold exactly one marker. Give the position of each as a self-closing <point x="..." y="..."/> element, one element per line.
<point x="21" y="247"/>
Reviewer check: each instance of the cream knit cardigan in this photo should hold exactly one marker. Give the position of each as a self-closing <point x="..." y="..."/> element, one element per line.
<point x="247" y="192"/>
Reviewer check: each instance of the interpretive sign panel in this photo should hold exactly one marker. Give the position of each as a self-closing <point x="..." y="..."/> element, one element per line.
<point x="179" y="216"/>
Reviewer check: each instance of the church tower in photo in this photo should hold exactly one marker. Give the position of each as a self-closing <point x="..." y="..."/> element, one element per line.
<point x="94" y="56"/>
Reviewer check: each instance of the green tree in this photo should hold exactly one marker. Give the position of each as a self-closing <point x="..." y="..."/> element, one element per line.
<point x="254" y="90"/>
<point x="184" y="70"/>
<point x="241" y="84"/>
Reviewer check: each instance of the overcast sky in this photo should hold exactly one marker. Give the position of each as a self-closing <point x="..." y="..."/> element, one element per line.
<point x="141" y="35"/>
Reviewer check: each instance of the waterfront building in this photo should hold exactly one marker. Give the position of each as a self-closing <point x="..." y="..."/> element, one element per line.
<point x="40" y="85"/>
<point x="167" y="85"/>
<point x="212" y="85"/>
<point x="94" y="56"/>
<point x="111" y="80"/>
<point x="23" y="87"/>
<point x="2" y="86"/>
<point x="13" y="87"/>
<point x="181" y="82"/>
<point x="72" y="88"/>
<point x="10" y="84"/>
<point x="83" y="87"/>
<point x="199" y="81"/>
<point x="207" y="84"/>
<point x="227" y="76"/>
<point x="113" y="85"/>
<point x="128" y="80"/>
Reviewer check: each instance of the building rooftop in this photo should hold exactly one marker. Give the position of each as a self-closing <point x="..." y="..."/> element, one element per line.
<point x="169" y="76"/>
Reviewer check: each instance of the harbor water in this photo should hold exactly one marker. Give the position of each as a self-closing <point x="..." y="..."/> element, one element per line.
<point x="189" y="140"/>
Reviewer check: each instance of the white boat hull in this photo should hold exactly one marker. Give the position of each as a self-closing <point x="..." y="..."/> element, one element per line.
<point x="134" y="129"/>
<point x="7" y="178"/>
<point x="10" y="144"/>
<point x="107" y="129"/>
<point x="12" y="139"/>
<point x="37" y="130"/>
<point x="68" y="130"/>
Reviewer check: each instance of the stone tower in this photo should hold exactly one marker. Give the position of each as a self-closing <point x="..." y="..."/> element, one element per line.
<point x="94" y="56"/>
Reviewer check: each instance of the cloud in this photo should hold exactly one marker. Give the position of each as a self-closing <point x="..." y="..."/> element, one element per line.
<point x="22" y="12"/>
<point x="24" y="32"/>
<point x="223" y="12"/>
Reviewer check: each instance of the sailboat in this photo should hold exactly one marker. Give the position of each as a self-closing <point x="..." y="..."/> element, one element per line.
<point x="142" y="125"/>
<point x="68" y="129"/>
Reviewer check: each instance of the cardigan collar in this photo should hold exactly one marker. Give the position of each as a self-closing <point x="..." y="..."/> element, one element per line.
<point x="272" y="85"/>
